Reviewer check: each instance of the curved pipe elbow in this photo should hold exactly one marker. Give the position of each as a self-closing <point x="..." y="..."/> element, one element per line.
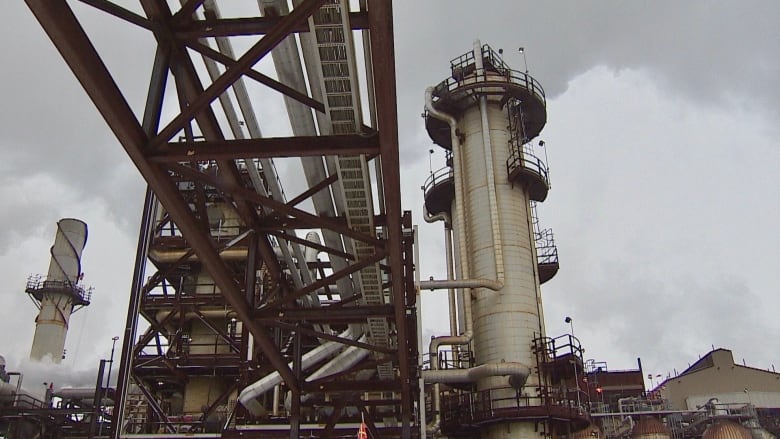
<point x="463" y="283"/>
<point x="442" y="216"/>
<point x="517" y="372"/>
<point x="436" y="113"/>
<point x="311" y="253"/>
<point x="449" y="340"/>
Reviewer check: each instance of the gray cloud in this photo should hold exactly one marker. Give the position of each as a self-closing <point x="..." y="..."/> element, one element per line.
<point x="662" y="124"/>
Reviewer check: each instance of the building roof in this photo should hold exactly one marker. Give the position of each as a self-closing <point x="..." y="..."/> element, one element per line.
<point x="713" y="358"/>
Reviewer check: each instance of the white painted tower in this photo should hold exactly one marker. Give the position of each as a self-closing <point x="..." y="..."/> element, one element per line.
<point x="60" y="293"/>
<point x="496" y="381"/>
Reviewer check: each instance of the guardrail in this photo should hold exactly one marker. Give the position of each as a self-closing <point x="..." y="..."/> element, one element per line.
<point x="466" y="409"/>
<point x="37" y="283"/>
<point x="437" y="177"/>
<point x="526" y="159"/>
<point x="546" y="251"/>
<point x="465" y="73"/>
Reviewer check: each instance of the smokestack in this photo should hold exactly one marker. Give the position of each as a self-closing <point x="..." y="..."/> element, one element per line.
<point x="59" y="294"/>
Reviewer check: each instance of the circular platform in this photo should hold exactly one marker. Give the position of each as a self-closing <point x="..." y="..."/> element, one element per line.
<point x="439" y="190"/>
<point x="453" y="95"/>
<point x="468" y="419"/>
<point x="547" y="271"/>
<point x="529" y="171"/>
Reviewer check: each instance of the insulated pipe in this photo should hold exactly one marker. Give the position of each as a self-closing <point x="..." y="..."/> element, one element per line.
<point x="289" y="69"/>
<point x="459" y="208"/>
<point x="517" y="372"/>
<point x="460" y="283"/>
<point x="253" y="127"/>
<point x="441" y="216"/>
<point x="248" y="396"/>
<point x="450" y="276"/>
<point x="275" y="409"/>
<point x="463" y="281"/>
<point x="351" y="356"/>
<point x="444" y="216"/>
<point x="487" y="146"/>
<point x="310" y="254"/>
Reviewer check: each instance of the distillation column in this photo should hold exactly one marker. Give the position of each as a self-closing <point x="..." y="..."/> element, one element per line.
<point x="494" y="179"/>
<point x="59" y="294"/>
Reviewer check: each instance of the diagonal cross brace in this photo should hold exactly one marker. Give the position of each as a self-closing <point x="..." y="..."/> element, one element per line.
<point x="57" y="19"/>
<point x="263" y="47"/>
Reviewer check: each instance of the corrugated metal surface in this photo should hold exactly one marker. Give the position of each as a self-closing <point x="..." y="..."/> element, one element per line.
<point x="649" y="427"/>
<point x="506" y="321"/>
<point x="726" y="430"/>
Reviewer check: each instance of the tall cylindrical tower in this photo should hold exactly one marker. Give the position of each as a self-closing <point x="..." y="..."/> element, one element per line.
<point x="59" y="294"/>
<point x="487" y="116"/>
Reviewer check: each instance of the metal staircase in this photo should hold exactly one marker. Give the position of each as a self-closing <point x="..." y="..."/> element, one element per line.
<point x="335" y="51"/>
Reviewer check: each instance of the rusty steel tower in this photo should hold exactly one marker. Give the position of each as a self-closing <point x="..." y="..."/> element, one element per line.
<point x="257" y="310"/>
<point x="497" y="374"/>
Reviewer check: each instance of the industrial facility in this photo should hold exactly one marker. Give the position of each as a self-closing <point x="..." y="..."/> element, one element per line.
<point x="264" y="310"/>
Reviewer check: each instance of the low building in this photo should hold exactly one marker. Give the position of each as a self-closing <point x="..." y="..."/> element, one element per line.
<point x="716" y="375"/>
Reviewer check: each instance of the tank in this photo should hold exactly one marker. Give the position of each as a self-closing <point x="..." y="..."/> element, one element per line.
<point x="725" y="429"/>
<point x="649" y="427"/>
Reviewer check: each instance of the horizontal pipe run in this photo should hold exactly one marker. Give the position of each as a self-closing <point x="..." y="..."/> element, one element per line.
<point x="517" y="372"/>
<point x="460" y="283"/>
<point x="248" y="396"/>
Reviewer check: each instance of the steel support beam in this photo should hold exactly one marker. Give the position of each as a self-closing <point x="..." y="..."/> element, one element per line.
<point x="250" y="58"/>
<point x="380" y="20"/>
<point x="312" y="221"/>
<point x="225" y="27"/>
<point x="158" y="161"/>
<point x="57" y="19"/>
<point x="259" y="77"/>
<point x="269" y="147"/>
<point x="347" y="314"/>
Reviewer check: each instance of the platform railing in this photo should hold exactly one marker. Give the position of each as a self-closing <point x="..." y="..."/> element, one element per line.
<point x="456" y="359"/>
<point x="527" y="160"/>
<point x="467" y="408"/>
<point x="556" y="347"/>
<point x="437" y="177"/>
<point x="546" y="250"/>
<point x="39" y="283"/>
<point x="464" y="72"/>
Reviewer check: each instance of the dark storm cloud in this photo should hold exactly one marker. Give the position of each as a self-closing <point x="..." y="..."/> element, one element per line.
<point x="701" y="55"/>
<point x="705" y="49"/>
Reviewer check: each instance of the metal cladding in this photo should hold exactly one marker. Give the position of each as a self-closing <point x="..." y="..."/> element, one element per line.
<point x="69" y="242"/>
<point x="59" y="293"/>
<point x="649" y="427"/>
<point x="725" y="429"/>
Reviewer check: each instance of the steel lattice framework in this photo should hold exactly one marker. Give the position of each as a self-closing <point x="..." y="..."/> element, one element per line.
<point x="214" y="215"/>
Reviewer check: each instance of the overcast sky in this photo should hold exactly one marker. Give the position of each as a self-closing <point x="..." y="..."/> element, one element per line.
<point x="663" y="120"/>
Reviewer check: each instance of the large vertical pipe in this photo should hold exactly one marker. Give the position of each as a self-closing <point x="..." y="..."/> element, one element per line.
<point x="56" y="294"/>
<point x="487" y="148"/>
